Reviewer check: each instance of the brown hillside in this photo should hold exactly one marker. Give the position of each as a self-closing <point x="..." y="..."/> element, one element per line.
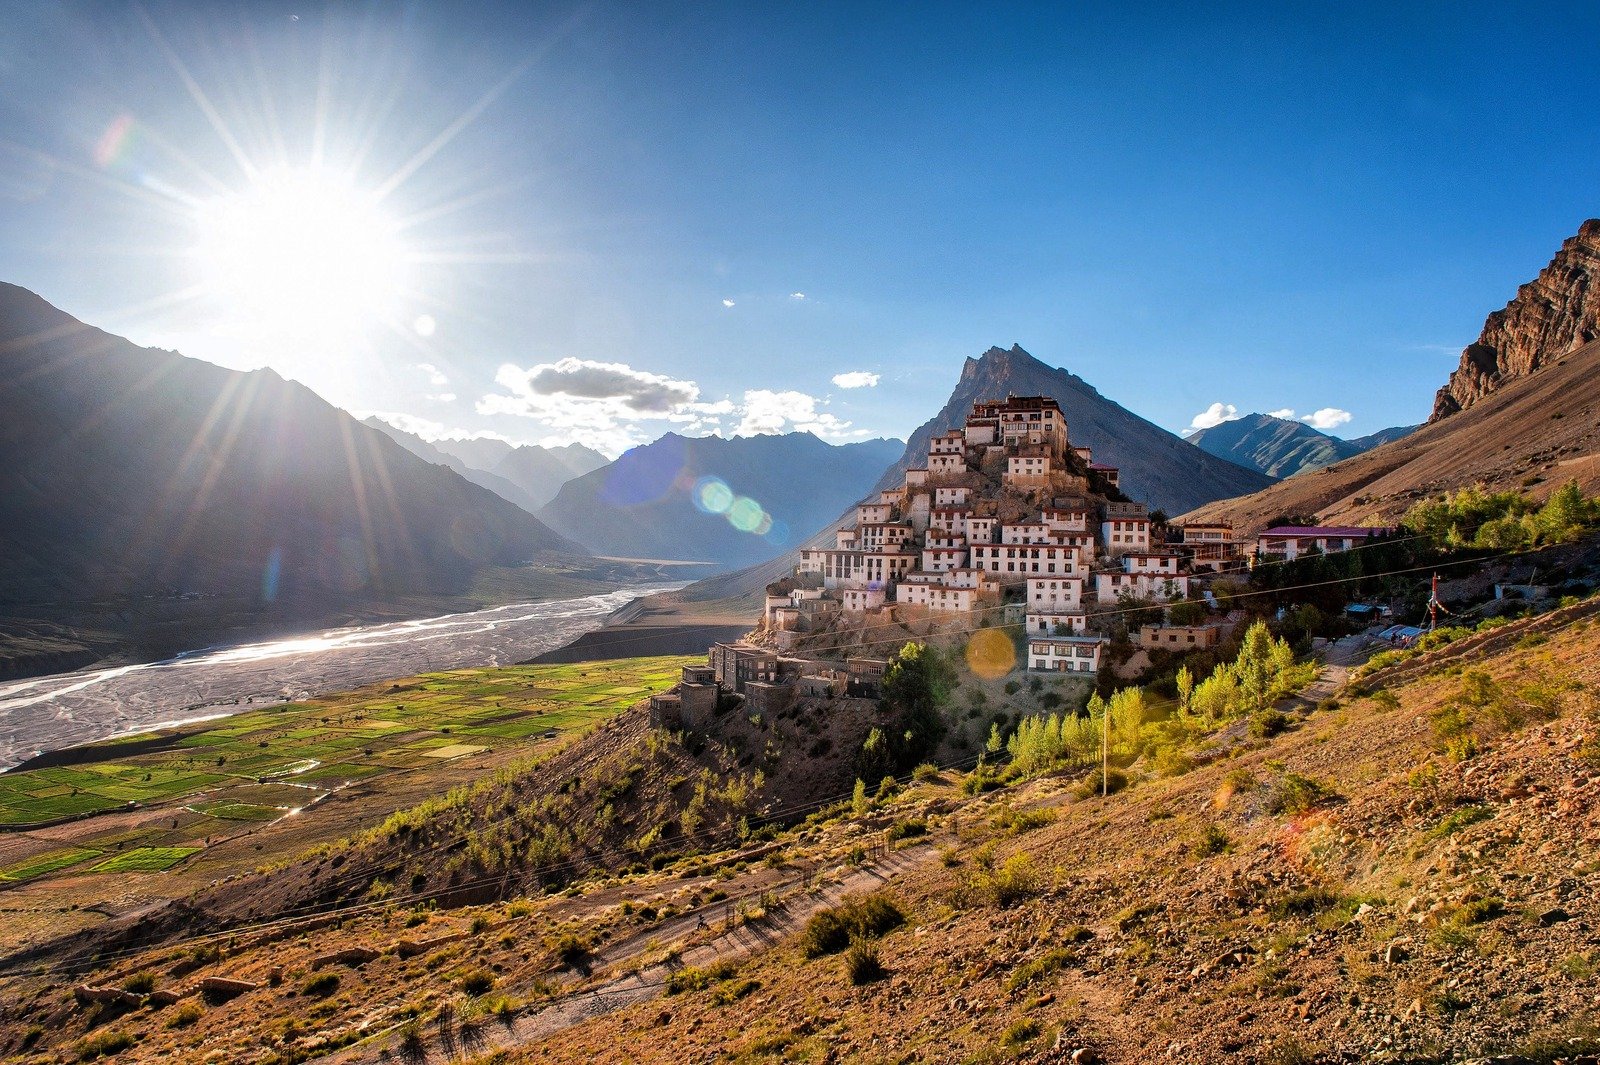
<point x="1551" y="315"/>
<point x="1532" y="433"/>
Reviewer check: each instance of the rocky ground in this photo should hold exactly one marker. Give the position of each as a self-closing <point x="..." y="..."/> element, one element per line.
<point x="1405" y="875"/>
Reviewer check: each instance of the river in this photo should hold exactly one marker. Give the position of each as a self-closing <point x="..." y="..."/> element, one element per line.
<point x="65" y="709"/>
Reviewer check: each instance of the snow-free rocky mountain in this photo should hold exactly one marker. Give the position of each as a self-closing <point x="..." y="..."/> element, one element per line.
<point x="1521" y="413"/>
<point x="1158" y="467"/>
<point x="129" y="471"/>
<point x="1281" y="448"/>
<point x="644" y="504"/>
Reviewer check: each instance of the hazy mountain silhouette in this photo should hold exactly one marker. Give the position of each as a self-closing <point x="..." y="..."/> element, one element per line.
<point x="133" y="471"/>
<point x="643" y="505"/>
<point x="1279" y="447"/>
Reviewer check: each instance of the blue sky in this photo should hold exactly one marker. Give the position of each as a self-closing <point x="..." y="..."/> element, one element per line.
<point x="620" y="219"/>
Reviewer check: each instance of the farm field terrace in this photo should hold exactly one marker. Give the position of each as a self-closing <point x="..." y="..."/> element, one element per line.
<point x="204" y="800"/>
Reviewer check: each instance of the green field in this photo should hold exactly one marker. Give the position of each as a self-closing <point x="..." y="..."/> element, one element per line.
<point x="48" y="862"/>
<point x="329" y="741"/>
<point x="146" y="860"/>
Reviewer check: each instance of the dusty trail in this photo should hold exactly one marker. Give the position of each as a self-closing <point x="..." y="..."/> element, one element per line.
<point x="648" y="981"/>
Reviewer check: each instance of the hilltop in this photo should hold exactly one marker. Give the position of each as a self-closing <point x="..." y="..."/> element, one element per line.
<point x="1158" y="468"/>
<point x="1520" y="414"/>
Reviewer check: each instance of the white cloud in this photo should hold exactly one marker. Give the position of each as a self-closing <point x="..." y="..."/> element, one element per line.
<point x="856" y="379"/>
<point x="797" y="295"/>
<point x="436" y="376"/>
<point x="607" y="406"/>
<point x="442" y="397"/>
<point x="1287" y="414"/>
<point x="1215" y="414"/>
<point x="1327" y="418"/>
<point x="767" y="412"/>
<point x="727" y="303"/>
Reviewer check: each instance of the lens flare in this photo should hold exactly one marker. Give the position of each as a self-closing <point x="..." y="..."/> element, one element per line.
<point x="990" y="654"/>
<point x="745" y="514"/>
<point x="778" y="535"/>
<point x="712" y="495"/>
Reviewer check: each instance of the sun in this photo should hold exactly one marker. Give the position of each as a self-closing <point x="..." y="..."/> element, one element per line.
<point x="302" y="253"/>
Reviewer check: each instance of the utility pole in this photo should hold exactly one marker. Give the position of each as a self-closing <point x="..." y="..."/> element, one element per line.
<point x="1433" y="603"/>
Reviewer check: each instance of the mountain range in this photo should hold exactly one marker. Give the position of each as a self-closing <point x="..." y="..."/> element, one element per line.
<point x="527" y="475"/>
<point x="1521" y="412"/>
<point x="1157" y="467"/>
<point x="134" y="472"/>
<point x="1279" y="447"/>
<point x="676" y="498"/>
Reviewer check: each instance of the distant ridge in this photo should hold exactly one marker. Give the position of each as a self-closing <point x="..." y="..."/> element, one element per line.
<point x="1281" y="448"/>
<point x="643" y="505"/>
<point x="1518" y="415"/>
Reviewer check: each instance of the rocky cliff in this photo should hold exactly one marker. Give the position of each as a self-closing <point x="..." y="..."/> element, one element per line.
<point x="1552" y="315"/>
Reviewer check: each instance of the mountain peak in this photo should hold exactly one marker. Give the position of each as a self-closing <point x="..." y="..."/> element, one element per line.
<point x="1555" y="313"/>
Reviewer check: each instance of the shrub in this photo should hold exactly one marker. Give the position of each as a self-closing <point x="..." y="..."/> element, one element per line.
<point x="1013" y="822"/>
<point x="320" y="986"/>
<point x="925" y="772"/>
<point x="572" y="948"/>
<point x="476" y="982"/>
<point x="907" y="828"/>
<point x="1020" y="1033"/>
<point x="140" y="983"/>
<point x="186" y="1015"/>
<point x="693" y="979"/>
<point x="1013" y="882"/>
<point x="1296" y="794"/>
<point x="830" y="931"/>
<point x="1303" y="902"/>
<point x="1214" y="840"/>
<point x="1479" y="910"/>
<point x="103" y="1045"/>
<point x="861" y="963"/>
<point x="1268" y="723"/>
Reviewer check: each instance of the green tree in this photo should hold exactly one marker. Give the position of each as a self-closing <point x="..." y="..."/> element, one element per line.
<point x="1185" y="683"/>
<point x="916" y="688"/>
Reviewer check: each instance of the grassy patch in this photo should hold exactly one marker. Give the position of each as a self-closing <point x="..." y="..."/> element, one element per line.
<point x="831" y="930"/>
<point x="48" y="862"/>
<point x="146" y="860"/>
<point x="1458" y="819"/>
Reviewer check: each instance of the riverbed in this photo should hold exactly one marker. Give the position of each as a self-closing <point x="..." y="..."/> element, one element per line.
<point x="64" y="709"/>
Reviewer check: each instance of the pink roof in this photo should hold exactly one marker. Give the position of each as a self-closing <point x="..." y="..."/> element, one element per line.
<point x="1328" y="530"/>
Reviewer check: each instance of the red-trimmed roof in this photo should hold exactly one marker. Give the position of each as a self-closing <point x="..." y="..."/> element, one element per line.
<point x="1328" y="530"/>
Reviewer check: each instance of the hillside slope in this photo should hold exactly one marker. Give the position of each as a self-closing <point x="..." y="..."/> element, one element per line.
<point x="1533" y="433"/>
<point x="1343" y="892"/>
<point x="1552" y="315"/>
<point x="127" y="471"/>
<point x="1276" y="447"/>
<point x="645" y="505"/>
<point x="1157" y="467"/>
